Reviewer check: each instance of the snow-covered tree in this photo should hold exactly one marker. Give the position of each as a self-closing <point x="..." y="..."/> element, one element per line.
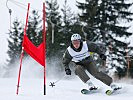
<point x="106" y="17"/>
<point x="34" y="31"/>
<point x="68" y="20"/>
<point x="15" y="42"/>
<point x="54" y="35"/>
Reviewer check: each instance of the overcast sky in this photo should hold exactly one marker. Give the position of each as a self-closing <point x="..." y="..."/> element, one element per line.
<point x="20" y="13"/>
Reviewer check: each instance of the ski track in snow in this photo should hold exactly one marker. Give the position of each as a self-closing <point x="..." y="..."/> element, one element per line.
<point x="32" y="89"/>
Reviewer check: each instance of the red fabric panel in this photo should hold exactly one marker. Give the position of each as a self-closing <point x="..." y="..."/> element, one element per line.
<point x="36" y="53"/>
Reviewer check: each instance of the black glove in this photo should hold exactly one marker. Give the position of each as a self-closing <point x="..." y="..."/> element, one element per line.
<point x="103" y="57"/>
<point x="68" y="71"/>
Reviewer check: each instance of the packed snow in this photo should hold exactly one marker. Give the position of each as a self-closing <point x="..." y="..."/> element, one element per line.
<point x="65" y="89"/>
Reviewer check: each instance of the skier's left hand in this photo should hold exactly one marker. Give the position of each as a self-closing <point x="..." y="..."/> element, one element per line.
<point x="103" y="57"/>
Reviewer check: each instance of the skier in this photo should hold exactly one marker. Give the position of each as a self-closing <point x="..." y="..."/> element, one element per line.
<point x="79" y="53"/>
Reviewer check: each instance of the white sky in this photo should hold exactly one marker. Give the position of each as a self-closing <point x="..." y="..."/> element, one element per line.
<point x="20" y="13"/>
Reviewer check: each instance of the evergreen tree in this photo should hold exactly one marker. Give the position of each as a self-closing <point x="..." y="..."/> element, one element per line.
<point x="88" y="17"/>
<point x="106" y="16"/>
<point x="54" y="35"/>
<point x="131" y="67"/>
<point x="76" y="26"/>
<point x="15" y="42"/>
<point x="34" y="31"/>
<point x="68" y="21"/>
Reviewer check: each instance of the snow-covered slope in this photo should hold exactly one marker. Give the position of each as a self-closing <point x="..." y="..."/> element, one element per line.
<point x="32" y="89"/>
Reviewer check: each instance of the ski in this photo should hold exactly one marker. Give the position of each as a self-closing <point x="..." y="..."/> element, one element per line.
<point x="95" y="90"/>
<point x="89" y="91"/>
<point x="110" y="92"/>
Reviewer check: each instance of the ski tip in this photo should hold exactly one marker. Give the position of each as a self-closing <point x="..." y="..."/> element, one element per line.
<point x="89" y="91"/>
<point x="84" y="91"/>
<point x="108" y="92"/>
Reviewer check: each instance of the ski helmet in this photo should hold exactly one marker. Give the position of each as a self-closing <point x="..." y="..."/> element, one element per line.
<point x="75" y="37"/>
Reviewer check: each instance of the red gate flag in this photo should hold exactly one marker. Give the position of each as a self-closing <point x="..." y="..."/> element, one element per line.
<point x="36" y="53"/>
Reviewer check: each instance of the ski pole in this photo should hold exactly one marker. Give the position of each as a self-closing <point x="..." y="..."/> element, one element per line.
<point x="53" y="83"/>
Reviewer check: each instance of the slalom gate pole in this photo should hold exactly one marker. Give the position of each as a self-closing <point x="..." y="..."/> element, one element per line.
<point x="22" y="54"/>
<point x="44" y="40"/>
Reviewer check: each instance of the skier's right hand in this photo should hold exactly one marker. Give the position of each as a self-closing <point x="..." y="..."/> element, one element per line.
<point x="68" y="71"/>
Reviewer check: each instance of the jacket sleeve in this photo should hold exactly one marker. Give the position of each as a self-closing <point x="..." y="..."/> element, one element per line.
<point x="93" y="47"/>
<point x="66" y="59"/>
